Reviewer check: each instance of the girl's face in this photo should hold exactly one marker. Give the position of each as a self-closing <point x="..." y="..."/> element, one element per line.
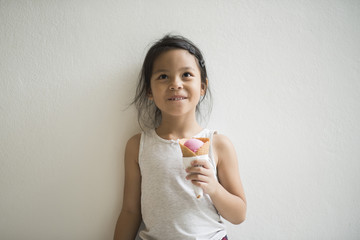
<point x="176" y="83"/>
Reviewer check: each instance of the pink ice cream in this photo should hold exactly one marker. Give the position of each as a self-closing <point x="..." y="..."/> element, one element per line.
<point x="193" y="144"/>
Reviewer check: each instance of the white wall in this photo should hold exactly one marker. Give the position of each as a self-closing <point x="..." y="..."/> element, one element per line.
<point x="285" y="77"/>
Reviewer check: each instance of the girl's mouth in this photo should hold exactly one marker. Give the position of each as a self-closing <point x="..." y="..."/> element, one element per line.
<point x="177" y="98"/>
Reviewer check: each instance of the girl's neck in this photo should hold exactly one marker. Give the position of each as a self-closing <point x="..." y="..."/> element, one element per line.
<point x="178" y="127"/>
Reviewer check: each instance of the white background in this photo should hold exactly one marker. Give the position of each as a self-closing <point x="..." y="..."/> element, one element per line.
<point x="285" y="77"/>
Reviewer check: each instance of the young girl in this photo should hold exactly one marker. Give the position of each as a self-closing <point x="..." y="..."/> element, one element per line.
<point x="158" y="190"/>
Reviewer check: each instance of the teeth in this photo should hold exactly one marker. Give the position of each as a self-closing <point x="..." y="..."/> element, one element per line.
<point x="176" y="99"/>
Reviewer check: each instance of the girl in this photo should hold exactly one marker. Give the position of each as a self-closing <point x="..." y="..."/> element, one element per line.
<point x="158" y="191"/>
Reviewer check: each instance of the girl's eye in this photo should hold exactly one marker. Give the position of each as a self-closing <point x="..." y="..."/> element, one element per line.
<point x="163" y="76"/>
<point x="187" y="74"/>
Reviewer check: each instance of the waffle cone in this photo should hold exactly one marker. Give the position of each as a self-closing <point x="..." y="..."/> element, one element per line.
<point x="203" y="150"/>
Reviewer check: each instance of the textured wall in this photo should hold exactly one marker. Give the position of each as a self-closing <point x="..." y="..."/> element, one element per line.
<point x="285" y="77"/>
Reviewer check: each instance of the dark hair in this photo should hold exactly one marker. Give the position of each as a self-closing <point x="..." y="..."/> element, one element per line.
<point x="149" y="115"/>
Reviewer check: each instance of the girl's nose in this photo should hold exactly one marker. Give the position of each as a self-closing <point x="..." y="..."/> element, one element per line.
<point x="175" y="84"/>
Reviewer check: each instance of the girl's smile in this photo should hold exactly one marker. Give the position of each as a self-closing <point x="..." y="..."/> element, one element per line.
<point x="177" y="98"/>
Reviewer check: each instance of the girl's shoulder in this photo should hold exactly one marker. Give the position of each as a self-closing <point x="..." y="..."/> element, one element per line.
<point x="223" y="147"/>
<point x="132" y="146"/>
<point x="220" y="140"/>
<point x="134" y="140"/>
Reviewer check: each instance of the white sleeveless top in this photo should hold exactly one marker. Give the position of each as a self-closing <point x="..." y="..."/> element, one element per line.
<point x="169" y="207"/>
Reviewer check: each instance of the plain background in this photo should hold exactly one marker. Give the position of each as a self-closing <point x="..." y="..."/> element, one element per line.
<point x="286" y="82"/>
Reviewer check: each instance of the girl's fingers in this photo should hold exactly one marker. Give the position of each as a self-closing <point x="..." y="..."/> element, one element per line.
<point x="198" y="183"/>
<point x="199" y="170"/>
<point x="203" y="163"/>
<point x="197" y="178"/>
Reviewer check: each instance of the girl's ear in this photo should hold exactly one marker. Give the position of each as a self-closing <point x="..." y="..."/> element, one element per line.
<point x="204" y="87"/>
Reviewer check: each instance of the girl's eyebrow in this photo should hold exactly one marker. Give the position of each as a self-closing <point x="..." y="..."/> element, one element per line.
<point x="187" y="68"/>
<point x="165" y="70"/>
<point x="159" y="71"/>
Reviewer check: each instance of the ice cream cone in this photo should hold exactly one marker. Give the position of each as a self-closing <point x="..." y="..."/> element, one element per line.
<point x="203" y="150"/>
<point x="189" y="156"/>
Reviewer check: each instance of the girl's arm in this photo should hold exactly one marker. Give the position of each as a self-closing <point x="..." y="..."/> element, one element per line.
<point x="130" y="216"/>
<point x="228" y="194"/>
<point x="229" y="197"/>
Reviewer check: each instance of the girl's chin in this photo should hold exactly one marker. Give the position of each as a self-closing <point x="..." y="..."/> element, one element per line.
<point x="179" y="114"/>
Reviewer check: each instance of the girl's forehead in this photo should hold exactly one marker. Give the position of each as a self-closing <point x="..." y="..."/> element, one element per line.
<point x="175" y="58"/>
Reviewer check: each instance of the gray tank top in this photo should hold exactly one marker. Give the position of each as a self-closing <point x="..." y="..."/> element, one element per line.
<point x="169" y="207"/>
